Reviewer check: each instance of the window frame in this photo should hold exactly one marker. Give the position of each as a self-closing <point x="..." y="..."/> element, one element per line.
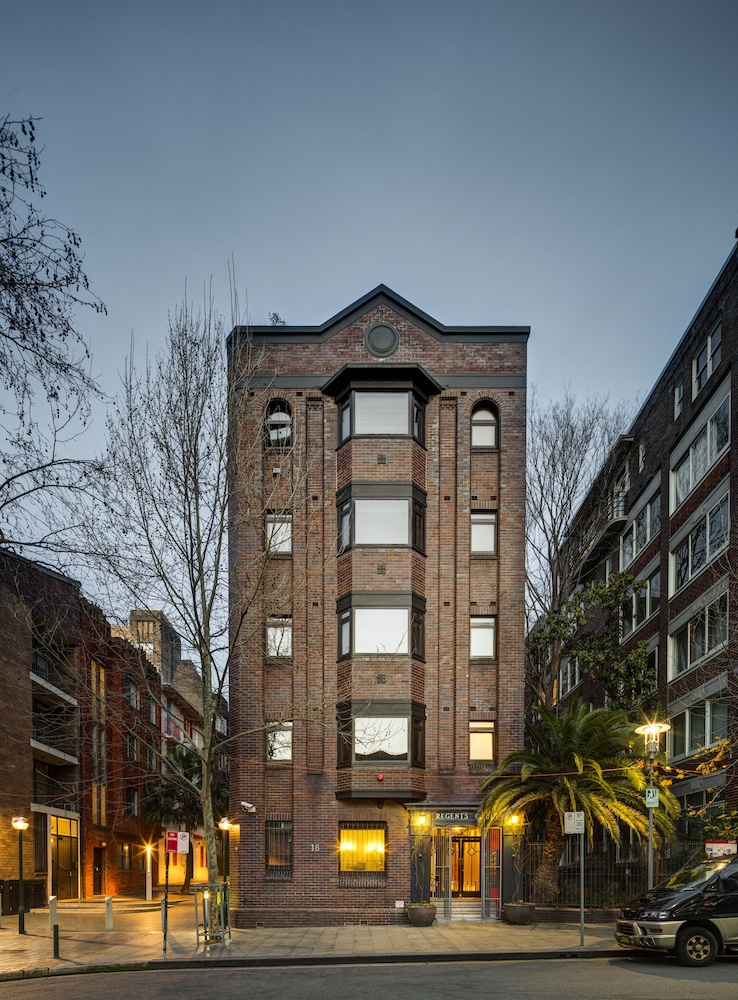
<point x="414" y="425"/>
<point x="699" y="540"/>
<point x="362" y="831"/>
<point x="273" y="410"/>
<point x="704" y="634"/>
<point x="693" y="464"/>
<point x="482" y="728"/>
<point x="481" y="423"/>
<point x="272" y="522"/>
<point x="279" y="748"/>
<point x="412" y="713"/>
<point x="711" y="347"/>
<point x="476" y="625"/>
<point x="278" y="843"/>
<point x="282" y="624"/>
<point x="364" y="493"/>
<point x="483" y="517"/>
<point x="355" y="604"/>
<point x="709" y="712"/>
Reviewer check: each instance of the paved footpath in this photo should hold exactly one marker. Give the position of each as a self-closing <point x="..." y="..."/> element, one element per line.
<point x="136" y="942"/>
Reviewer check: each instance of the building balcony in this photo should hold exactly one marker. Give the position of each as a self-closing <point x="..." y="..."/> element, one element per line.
<point x="599" y="532"/>
<point x="53" y="744"/>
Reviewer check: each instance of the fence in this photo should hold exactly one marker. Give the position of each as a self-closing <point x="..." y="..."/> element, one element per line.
<point x="612" y="876"/>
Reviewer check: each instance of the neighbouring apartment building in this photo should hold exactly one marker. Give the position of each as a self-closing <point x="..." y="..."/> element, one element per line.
<point x="377" y="587"/>
<point x="668" y="515"/>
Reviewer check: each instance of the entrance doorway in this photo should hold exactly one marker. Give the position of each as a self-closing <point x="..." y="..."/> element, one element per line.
<point x="64" y="866"/>
<point x="466" y="867"/>
<point x="98" y="861"/>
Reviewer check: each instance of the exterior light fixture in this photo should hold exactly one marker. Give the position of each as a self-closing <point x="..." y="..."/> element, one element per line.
<point x="20" y="823"/>
<point x="651" y="733"/>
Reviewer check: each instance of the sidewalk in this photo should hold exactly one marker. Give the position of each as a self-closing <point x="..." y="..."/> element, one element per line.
<point x="136" y="942"/>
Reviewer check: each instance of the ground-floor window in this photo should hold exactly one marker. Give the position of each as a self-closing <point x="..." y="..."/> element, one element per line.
<point x="278" y="843"/>
<point x="361" y="848"/>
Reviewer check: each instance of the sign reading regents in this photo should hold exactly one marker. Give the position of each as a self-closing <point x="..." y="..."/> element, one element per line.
<point x="177" y="842"/>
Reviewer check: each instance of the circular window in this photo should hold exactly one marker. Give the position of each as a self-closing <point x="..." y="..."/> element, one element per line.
<point x="382" y="340"/>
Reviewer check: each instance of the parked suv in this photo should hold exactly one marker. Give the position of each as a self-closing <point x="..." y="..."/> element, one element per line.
<point x="693" y="914"/>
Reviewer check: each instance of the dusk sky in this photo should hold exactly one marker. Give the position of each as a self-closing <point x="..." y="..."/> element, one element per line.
<point x="562" y="164"/>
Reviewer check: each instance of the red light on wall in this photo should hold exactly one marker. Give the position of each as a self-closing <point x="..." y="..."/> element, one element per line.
<point x="380" y="777"/>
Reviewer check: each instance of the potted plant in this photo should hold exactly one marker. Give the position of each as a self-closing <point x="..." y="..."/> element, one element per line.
<point x="420" y="912"/>
<point x="519" y="911"/>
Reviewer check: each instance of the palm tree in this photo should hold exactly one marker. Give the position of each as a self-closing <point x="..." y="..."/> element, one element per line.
<point x="580" y="762"/>
<point x="174" y="800"/>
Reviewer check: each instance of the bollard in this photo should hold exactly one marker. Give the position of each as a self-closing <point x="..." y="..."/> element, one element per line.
<point x="56" y="940"/>
<point x="53" y="918"/>
<point x="108" y="913"/>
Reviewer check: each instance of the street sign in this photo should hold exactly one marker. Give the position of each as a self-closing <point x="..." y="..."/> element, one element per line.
<point x="652" y="798"/>
<point x="177" y="842"/>
<point x="573" y="822"/>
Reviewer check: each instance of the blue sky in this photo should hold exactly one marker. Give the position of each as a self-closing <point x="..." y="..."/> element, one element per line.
<point x="568" y="165"/>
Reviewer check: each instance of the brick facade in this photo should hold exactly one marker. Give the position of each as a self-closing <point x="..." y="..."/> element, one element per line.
<point x="319" y="377"/>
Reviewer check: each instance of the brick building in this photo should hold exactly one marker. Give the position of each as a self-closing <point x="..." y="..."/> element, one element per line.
<point x="377" y="609"/>
<point x="667" y="514"/>
<point x="78" y="730"/>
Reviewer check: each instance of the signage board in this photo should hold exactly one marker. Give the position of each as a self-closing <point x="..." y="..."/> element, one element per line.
<point x="177" y="842"/>
<point x="573" y="822"/>
<point x="652" y="798"/>
<point x="720" y="848"/>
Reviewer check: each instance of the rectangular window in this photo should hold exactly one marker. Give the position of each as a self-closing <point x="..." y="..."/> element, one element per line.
<point x="381" y="522"/>
<point x="131" y="746"/>
<point x="708" y="538"/>
<point x="484" y="533"/>
<point x="125" y="857"/>
<point x="701" y="726"/>
<point x="278" y="531"/>
<point x="482" y="741"/>
<point x="132" y="693"/>
<point x="381" y="630"/>
<point x="278" y="843"/>
<point x="381" y="739"/>
<point x="361" y="849"/>
<point x="678" y="398"/>
<point x="381" y="412"/>
<point x="704" y="633"/>
<point x="706" y="360"/>
<point x="279" y="741"/>
<point x="132" y="801"/>
<point x="570" y="676"/>
<point x="397" y="413"/>
<point x="482" y="637"/>
<point x="279" y="635"/>
<point x="708" y="445"/>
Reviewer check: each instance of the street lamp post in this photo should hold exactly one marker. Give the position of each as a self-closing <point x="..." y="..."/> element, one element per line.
<point x="20" y="823"/>
<point x="651" y="734"/>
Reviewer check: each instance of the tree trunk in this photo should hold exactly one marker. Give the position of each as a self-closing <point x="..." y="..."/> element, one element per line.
<point x="546" y="879"/>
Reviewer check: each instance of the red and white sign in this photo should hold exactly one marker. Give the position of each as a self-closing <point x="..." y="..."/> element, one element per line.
<point x="177" y="842"/>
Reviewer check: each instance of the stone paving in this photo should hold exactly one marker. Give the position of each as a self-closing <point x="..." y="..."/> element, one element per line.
<point x="136" y="941"/>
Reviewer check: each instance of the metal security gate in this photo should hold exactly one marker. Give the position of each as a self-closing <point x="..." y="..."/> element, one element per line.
<point x="466" y="865"/>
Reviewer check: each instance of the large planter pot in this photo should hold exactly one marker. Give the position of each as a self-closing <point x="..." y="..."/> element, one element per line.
<point x="422" y="915"/>
<point x="519" y="913"/>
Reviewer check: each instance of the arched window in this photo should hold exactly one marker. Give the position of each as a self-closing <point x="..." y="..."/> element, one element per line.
<point x="278" y="425"/>
<point x="484" y="428"/>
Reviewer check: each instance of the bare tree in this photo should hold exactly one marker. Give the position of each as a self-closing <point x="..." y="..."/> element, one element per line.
<point x="569" y="448"/>
<point x="158" y="526"/>
<point x="42" y="355"/>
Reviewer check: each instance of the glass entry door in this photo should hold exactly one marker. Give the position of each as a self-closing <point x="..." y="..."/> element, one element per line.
<point x="64" y="868"/>
<point x="466" y="867"/>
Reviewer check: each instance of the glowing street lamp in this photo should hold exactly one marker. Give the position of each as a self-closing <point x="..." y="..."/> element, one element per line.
<point x="651" y="733"/>
<point x="20" y="823"/>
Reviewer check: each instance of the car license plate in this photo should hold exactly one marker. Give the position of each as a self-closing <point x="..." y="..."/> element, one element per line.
<point x="623" y="939"/>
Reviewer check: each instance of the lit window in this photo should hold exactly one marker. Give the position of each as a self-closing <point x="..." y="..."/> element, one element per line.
<point x="278" y="425"/>
<point x="481" y="741"/>
<point x="279" y="740"/>
<point x="483" y="428"/>
<point x="278" y="533"/>
<point x="279" y="635"/>
<point x="361" y="850"/>
<point x="482" y="637"/>
<point x="706" y="360"/>
<point x="484" y="532"/>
